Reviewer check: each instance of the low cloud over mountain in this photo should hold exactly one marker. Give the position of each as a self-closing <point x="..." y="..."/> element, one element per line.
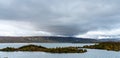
<point x="60" y="17"/>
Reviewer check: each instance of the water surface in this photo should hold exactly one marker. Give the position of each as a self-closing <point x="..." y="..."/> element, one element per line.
<point x="92" y="53"/>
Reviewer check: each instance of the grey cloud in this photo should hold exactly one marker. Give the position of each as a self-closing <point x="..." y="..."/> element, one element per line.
<point x="63" y="17"/>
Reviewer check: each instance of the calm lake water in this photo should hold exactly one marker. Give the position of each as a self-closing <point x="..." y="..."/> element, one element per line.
<point x="92" y="53"/>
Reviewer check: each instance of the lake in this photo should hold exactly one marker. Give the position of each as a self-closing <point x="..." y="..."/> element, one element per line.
<point x="92" y="53"/>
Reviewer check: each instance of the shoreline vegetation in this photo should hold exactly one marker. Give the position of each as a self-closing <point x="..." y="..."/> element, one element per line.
<point x="44" y="49"/>
<point x="109" y="46"/>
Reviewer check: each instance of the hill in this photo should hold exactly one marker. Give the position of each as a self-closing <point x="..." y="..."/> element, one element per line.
<point x="45" y="39"/>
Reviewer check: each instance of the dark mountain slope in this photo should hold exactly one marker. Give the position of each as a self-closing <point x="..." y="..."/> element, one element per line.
<point x="45" y="39"/>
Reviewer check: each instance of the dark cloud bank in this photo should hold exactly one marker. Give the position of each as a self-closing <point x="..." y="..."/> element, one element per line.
<point x="80" y="18"/>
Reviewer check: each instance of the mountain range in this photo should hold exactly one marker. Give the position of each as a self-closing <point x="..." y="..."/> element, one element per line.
<point x="51" y="39"/>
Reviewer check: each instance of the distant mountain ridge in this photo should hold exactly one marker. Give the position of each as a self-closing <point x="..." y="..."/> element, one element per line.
<point x="45" y="39"/>
<point x="50" y="39"/>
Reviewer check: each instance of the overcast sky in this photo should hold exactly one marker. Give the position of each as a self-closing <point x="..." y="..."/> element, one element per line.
<point x="79" y="18"/>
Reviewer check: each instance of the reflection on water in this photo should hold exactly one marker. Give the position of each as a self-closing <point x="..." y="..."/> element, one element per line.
<point x="92" y="53"/>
